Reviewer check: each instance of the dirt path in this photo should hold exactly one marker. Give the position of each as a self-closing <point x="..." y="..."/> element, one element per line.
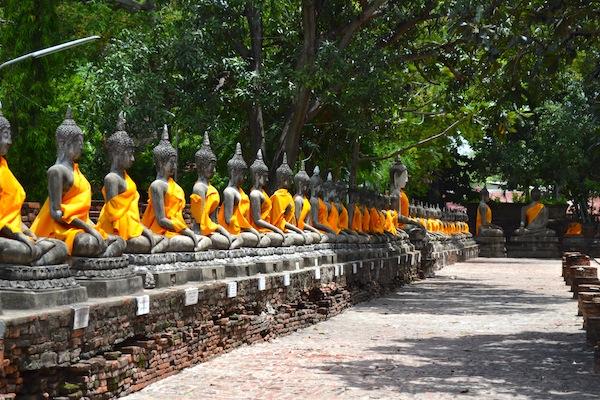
<point x="485" y="329"/>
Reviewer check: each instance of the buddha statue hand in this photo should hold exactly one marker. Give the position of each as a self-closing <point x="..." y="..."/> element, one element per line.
<point x="34" y="251"/>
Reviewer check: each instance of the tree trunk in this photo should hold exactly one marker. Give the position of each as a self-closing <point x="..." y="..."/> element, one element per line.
<point x="255" y="115"/>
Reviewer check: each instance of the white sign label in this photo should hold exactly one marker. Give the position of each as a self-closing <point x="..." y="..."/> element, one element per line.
<point x="336" y="270"/>
<point x="381" y="263"/>
<point x="262" y="283"/>
<point x="372" y="265"/>
<point x="341" y="270"/>
<point x="354" y="268"/>
<point x="191" y="296"/>
<point x="317" y="273"/>
<point x="316" y="262"/>
<point x="286" y="279"/>
<point x="399" y="258"/>
<point x="143" y="304"/>
<point x="231" y="289"/>
<point x="360" y="265"/>
<point x="297" y="264"/>
<point x="81" y="316"/>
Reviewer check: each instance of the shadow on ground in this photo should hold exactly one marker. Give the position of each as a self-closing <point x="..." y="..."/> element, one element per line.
<point x="535" y="365"/>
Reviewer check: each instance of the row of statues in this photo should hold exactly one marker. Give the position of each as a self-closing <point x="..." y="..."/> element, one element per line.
<point x="315" y="214"/>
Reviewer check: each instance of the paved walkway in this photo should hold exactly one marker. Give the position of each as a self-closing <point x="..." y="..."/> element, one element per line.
<point x="485" y="329"/>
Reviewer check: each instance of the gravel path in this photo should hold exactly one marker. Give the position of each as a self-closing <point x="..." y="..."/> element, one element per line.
<point x="484" y="329"/>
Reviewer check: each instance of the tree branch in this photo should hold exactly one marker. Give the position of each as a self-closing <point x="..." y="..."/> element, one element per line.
<point x="368" y="13"/>
<point x="135" y="6"/>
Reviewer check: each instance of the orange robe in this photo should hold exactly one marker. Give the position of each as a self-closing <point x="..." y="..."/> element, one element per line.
<point x="389" y="223"/>
<point x="121" y="215"/>
<point x="12" y="196"/>
<point x="403" y="206"/>
<point x="323" y="214"/>
<point x="202" y="212"/>
<point x="265" y="213"/>
<point x="375" y="221"/>
<point x="74" y="204"/>
<point x="301" y="222"/>
<point x="366" y="221"/>
<point x="283" y="209"/>
<point x="239" y="218"/>
<point x="479" y="221"/>
<point x="174" y="204"/>
<point x="333" y="218"/>
<point x="343" y="224"/>
<point x="357" y="220"/>
<point x="574" y="229"/>
<point x="533" y="212"/>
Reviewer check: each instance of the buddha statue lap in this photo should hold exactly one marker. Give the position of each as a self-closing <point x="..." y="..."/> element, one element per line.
<point x="120" y="214"/>
<point x="318" y="212"/>
<point x="302" y="207"/>
<point x="166" y="201"/>
<point x="65" y="214"/>
<point x="534" y="218"/>
<point x="18" y="244"/>
<point x="234" y="213"/>
<point x="205" y="201"/>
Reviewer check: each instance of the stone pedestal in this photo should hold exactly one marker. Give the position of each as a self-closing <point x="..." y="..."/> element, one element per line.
<point x="24" y="287"/>
<point x="158" y="270"/>
<point x="530" y="246"/>
<point x="106" y="277"/>
<point x="582" y="244"/>
<point x="492" y="246"/>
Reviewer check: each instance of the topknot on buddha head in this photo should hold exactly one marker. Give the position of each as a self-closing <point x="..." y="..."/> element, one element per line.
<point x="205" y="155"/>
<point x="237" y="163"/>
<point x="68" y="130"/>
<point x="164" y="151"/>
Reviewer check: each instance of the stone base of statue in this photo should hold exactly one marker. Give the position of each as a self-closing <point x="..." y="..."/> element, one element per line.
<point x="532" y="246"/>
<point x="157" y="270"/>
<point x="492" y="246"/>
<point x="106" y="276"/>
<point x="25" y="287"/>
<point x="467" y="247"/>
<point x="581" y="244"/>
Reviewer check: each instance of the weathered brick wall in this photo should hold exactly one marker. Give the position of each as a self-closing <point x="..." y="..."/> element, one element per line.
<point x="119" y="352"/>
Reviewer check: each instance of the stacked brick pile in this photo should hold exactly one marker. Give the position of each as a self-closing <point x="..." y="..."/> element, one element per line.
<point x="585" y="285"/>
<point x="119" y="353"/>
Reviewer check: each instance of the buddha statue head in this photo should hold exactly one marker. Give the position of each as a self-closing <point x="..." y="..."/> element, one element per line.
<point x="237" y="167"/>
<point x="316" y="184"/>
<point x="259" y="171"/>
<point x="412" y="209"/>
<point x="284" y="173"/>
<point x="485" y="195"/>
<point x="5" y="134"/>
<point x="341" y="188"/>
<point x="165" y="156"/>
<point x="398" y="174"/>
<point x="302" y="180"/>
<point x="329" y="188"/>
<point x="206" y="161"/>
<point x="120" y="147"/>
<point x="535" y="194"/>
<point x="69" y="138"/>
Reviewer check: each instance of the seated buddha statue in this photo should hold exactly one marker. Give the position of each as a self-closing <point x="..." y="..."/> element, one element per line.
<point x="318" y="208"/>
<point x="483" y="224"/>
<point x="399" y="179"/>
<point x="283" y="206"/>
<point x="205" y="201"/>
<point x="65" y="214"/>
<point x="302" y="206"/>
<point x="18" y="244"/>
<point x="166" y="201"/>
<point x="120" y="214"/>
<point x="234" y="213"/>
<point x="534" y="218"/>
<point x="341" y="194"/>
<point x="333" y="212"/>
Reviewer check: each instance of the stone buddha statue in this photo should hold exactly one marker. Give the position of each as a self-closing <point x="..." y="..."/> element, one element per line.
<point x="534" y="218"/>
<point x="341" y="194"/>
<point x="399" y="179"/>
<point x="302" y="206"/>
<point x="355" y="214"/>
<point x="366" y="213"/>
<point x="283" y="206"/>
<point x="234" y="213"/>
<point x="65" y="214"/>
<point x="166" y="201"/>
<point x="329" y="198"/>
<point x="18" y="244"/>
<point x="205" y="201"/>
<point x="318" y="208"/>
<point x="483" y="224"/>
<point x="120" y="214"/>
<point x="261" y="205"/>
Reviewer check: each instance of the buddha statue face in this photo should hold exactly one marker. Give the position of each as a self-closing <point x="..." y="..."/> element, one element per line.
<point x="169" y="167"/>
<point x="399" y="174"/>
<point x="5" y="136"/>
<point x="165" y="156"/>
<point x="206" y="161"/>
<point x="237" y="167"/>
<point x="261" y="179"/>
<point x="316" y="184"/>
<point x="485" y="195"/>
<point x="260" y="172"/>
<point x="535" y="195"/>
<point x="120" y="147"/>
<point x="69" y="138"/>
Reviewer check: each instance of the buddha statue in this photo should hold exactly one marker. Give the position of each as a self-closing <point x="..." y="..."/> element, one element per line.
<point x="18" y="244"/>
<point x="302" y="206"/>
<point x="234" y="213"/>
<point x="120" y="214"/>
<point x="318" y="208"/>
<point x="355" y="214"/>
<point x="341" y="194"/>
<point x="399" y="179"/>
<point x="333" y="213"/>
<point x="283" y="207"/>
<point x="65" y="214"/>
<point x="166" y="201"/>
<point x="205" y="201"/>
<point x="483" y="224"/>
<point x="534" y="218"/>
<point x="261" y="205"/>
